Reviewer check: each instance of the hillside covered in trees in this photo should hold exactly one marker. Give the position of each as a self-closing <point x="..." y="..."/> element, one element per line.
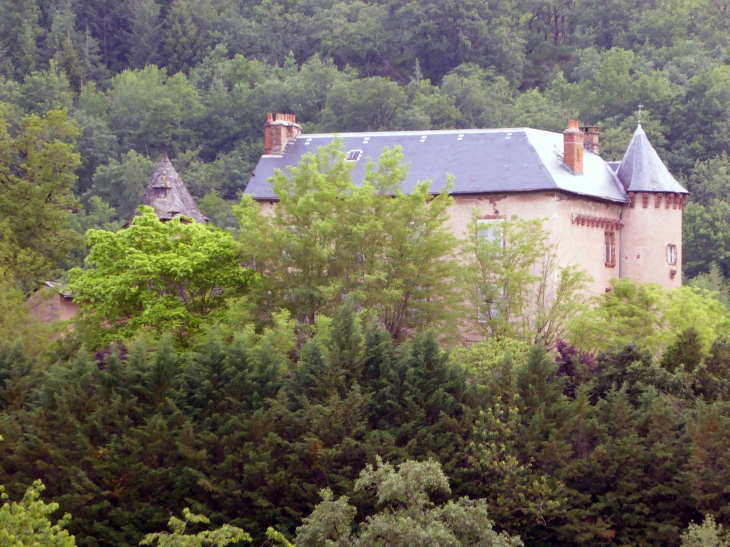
<point x="199" y="77"/>
<point x="294" y="380"/>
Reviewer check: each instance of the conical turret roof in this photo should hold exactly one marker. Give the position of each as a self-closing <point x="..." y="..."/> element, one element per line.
<point x="169" y="197"/>
<point x="642" y="170"/>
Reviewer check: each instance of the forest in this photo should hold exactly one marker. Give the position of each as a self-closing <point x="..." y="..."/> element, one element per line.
<point x="317" y="396"/>
<point x="199" y="77"/>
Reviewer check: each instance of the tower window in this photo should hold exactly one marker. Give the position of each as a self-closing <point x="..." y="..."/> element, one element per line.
<point x="609" y="248"/>
<point x="671" y="254"/>
<point x="161" y="193"/>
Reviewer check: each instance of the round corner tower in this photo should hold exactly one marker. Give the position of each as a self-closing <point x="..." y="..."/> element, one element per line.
<point x="651" y="238"/>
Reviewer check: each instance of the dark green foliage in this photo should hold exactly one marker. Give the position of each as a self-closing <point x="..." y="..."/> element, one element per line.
<point x="249" y="433"/>
<point x="247" y="429"/>
<point x="686" y="351"/>
<point x="236" y="428"/>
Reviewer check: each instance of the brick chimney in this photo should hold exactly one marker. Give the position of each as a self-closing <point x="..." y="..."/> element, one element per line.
<point x="573" y="148"/>
<point x="279" y="132"/>
<point x="590" y="138"/>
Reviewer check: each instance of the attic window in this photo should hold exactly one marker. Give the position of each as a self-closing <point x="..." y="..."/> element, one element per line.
<point x="353" y="155"/>
<point x="161" y="193"/>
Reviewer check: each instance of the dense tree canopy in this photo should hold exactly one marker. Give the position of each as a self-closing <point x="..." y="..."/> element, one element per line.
<point x="240" y="371"/>
<point x="199" y="78"/>
<point x="249" y="428"/>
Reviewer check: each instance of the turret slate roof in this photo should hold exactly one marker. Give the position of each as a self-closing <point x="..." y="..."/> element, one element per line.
<point x="481" y="161"/>
<point x="169" y="197"/>
<point x="642" y="170"/>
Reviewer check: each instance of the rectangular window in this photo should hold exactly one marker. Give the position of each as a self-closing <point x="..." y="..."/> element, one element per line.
<point x="609" y="249"/>
<point x="671" y="254"/>
<point x="491" y="230"/>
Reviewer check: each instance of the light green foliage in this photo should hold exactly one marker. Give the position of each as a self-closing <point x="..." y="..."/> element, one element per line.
<point x="650" y="316"/>
<point x="707" y="534"/>
<point x="37" y="164"/>
<point x="407" y="515"/>
<point x="328" y="239"/>
<point x="26" y="523"/>
<point x="516" y="288"/>
<point x="483" y="358"/>
<point x="171" y="276"/>
<point x="219" y="537"/>
<point x="429" y="100"/>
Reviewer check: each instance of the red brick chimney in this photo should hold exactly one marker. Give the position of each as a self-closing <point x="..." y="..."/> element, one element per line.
<point x="279" y="132"/>
<point x="573" y="148"/>
<point x="590" y="138"/>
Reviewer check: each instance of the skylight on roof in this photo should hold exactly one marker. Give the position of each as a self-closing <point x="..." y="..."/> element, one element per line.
<point x="353" y="155"/>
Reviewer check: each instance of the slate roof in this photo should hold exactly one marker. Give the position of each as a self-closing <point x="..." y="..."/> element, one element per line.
<point x="642" y="170"/>
<point x="481" y="160"/>
<point x="176" y="201"/>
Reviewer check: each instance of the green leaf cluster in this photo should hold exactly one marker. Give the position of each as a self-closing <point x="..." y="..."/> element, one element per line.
<point x="329" y="239"/>
<point x="172" y="276"/>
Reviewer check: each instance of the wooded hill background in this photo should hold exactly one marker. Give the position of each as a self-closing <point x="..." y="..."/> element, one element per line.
<point x="200" y="76"/>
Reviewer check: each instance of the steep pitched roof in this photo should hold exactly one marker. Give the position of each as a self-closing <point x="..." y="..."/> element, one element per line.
<point x="642" y="170"/>
<point x="169" y="197"/>
<point x="481" y="160"/>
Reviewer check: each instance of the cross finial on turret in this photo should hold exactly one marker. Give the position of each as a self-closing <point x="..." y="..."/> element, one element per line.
<point x="641" y="107"/>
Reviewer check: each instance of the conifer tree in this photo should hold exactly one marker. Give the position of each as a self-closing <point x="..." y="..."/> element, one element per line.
<point x="19" y="34"/>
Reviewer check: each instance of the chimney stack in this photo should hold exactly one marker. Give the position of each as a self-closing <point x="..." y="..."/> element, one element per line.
<point x="590" y="138"/>
<point x="573" y="148"/>
<point x="279" y="132"/>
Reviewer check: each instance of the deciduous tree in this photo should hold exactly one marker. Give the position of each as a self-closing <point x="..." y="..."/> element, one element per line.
<point x="171" y="276"/>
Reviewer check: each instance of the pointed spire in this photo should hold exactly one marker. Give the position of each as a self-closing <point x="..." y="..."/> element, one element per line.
<point x="642" y="170"/>
<point x="168" y="196"/>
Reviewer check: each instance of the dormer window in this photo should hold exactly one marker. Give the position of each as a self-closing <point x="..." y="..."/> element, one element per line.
<point x="161" y="193"/>
<point x="353" y="155"/>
